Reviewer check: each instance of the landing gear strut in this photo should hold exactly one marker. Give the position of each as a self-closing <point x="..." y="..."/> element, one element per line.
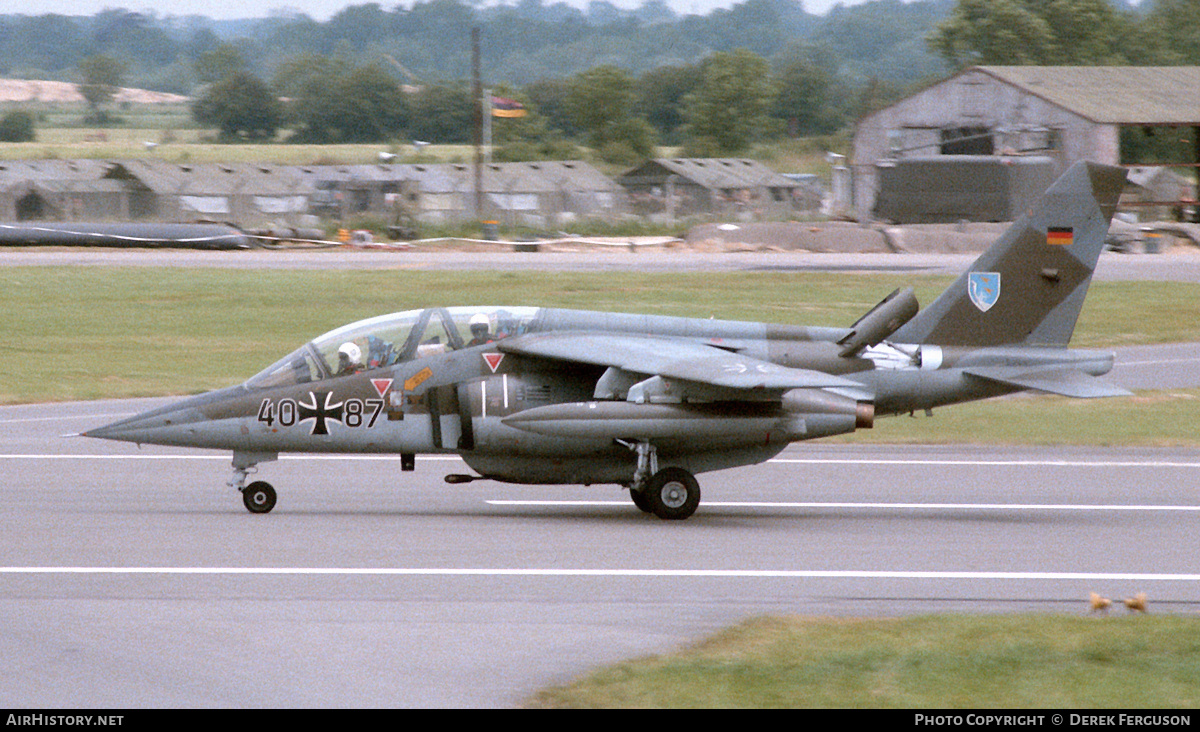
<point x="672" y="494"/>
<point x="259" y="496"/>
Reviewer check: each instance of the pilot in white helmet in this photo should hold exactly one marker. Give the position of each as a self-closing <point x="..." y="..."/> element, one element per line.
<point x="349" y="359"/>
<point x="480" y="330"/>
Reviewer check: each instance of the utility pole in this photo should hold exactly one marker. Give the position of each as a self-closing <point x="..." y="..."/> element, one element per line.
<point x="477" y="93"/>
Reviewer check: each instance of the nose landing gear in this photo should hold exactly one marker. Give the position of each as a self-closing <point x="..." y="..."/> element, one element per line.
<point x="259" y="496"/>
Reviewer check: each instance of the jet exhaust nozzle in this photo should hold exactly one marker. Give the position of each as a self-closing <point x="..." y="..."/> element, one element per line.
<point x="864" y="416"/>
<point x="819" y="413"/>
<point x="819" y="402"/>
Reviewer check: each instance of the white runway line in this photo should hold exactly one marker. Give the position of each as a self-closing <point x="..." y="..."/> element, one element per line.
<point x="1018" y="463"/>
<point x="1015" y="463"/>
<point x="224" y="458"/>
<point x="597" y="572"/>
<point x="799" y="504"/>
<point x="63" y="418"/>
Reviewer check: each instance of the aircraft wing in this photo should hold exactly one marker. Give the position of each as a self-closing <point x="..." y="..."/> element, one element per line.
<point x="1060" y="380"/>
<point x="673" y="358"/>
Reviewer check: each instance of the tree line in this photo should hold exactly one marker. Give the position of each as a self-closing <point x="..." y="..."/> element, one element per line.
<point x="620" y="82"/>
<point x="719" y="105"/>
<point x="525" y="41"/>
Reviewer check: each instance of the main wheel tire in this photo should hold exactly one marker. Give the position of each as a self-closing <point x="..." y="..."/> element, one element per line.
<point x="640" y="500"/>
<point x="672" y="494"/>
<point x="259" y="497"/>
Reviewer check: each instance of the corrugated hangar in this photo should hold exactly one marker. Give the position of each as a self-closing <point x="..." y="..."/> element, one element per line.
<point x="543" y="193"/>
<point x="1064" y="113"/>
<point x="734" y="187"/>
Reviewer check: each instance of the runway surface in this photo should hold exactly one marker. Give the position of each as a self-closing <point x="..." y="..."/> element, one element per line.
<point x="134" y="578"/>
<point x="1181" y="263"/>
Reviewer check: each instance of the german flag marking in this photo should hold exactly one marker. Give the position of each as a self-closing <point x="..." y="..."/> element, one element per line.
<point x="1060" y="236"/>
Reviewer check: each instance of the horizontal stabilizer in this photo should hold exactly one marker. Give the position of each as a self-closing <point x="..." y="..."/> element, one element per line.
<point x="1058" y="380"/>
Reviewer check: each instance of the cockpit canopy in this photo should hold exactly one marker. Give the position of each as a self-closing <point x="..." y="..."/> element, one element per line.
<point x="388" y="340"/>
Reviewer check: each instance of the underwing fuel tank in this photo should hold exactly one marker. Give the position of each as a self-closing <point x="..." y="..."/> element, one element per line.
<point x="803" y="414"/>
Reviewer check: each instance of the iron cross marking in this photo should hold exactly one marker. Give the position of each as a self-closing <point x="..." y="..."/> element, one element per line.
<point x="319" y="410"/>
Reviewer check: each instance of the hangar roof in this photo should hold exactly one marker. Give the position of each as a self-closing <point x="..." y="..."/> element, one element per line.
<point x="545" y="175"/>
<point x="714" y="173"/>
<point x="1118" y="95"/>
<point x="193" y="179"/>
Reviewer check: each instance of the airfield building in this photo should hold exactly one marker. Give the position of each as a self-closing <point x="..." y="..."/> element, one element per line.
<point x="728" y="187"/>
<point x="56" y="190"/>
<point x="535" y="194"/>
<point x="1064" y="113"/>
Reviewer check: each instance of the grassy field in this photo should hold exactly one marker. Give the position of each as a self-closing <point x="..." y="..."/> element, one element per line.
<point x="192" y="145"/>
<point x="177" y="138"/>
<point x="1147" y="419"/>
<point x="189" y="145"/>
<point x="90" y="333"/>
<point x="928" y="662"/>
<point x="109" y="332"/>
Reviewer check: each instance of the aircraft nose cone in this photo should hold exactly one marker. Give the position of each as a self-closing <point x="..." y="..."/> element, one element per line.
<point x="140" y="428"/>
<point x="107" y="432"/>
<point x="172" y="424"/>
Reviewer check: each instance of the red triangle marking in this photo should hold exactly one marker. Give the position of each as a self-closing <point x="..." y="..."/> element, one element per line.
<point x="381" y="385"/>
<point x="493" y="360"/>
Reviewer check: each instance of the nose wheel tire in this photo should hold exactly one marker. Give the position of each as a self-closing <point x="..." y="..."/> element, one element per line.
<point x="259" y="497"/>
<point x="672" y="494"/>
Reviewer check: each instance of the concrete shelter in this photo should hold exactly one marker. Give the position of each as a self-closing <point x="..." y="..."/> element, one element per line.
<point x="1068" y="113"/>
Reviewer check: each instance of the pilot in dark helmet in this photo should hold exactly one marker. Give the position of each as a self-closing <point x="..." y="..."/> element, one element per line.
<point x="349" y="359"/>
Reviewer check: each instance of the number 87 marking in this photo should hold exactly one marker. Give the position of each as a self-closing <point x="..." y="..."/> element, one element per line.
<point x="356" y="410"/>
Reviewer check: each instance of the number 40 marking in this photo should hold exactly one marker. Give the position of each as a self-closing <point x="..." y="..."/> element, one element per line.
<point x="353" y="412"/>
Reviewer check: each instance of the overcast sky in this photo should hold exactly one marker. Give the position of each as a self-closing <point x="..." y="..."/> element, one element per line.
<point x="317" y="9"/>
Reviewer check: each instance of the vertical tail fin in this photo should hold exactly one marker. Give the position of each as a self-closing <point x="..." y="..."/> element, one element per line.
<point x="1029" y="286"/>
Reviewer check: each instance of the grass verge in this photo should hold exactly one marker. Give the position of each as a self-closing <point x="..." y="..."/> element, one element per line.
<point x="86" y="333"/>
<point x="923" y="662"/>
<point x="1147" y="419"/>
<point x="107" y="332"/>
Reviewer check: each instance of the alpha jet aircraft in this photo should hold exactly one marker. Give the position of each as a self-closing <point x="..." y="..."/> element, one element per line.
<point x="549" y="396"/>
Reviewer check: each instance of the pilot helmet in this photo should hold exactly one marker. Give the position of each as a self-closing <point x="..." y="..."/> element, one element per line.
<point x="350" y="353"/>
<point x="479" y="325"/>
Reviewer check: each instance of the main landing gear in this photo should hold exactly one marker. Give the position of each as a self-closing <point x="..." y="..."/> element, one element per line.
<point x="259" y="496"/>
<point x="672" y="494"/>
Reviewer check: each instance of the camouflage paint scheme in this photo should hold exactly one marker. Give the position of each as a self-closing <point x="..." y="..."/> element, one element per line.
<point x="555" y="396"/>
